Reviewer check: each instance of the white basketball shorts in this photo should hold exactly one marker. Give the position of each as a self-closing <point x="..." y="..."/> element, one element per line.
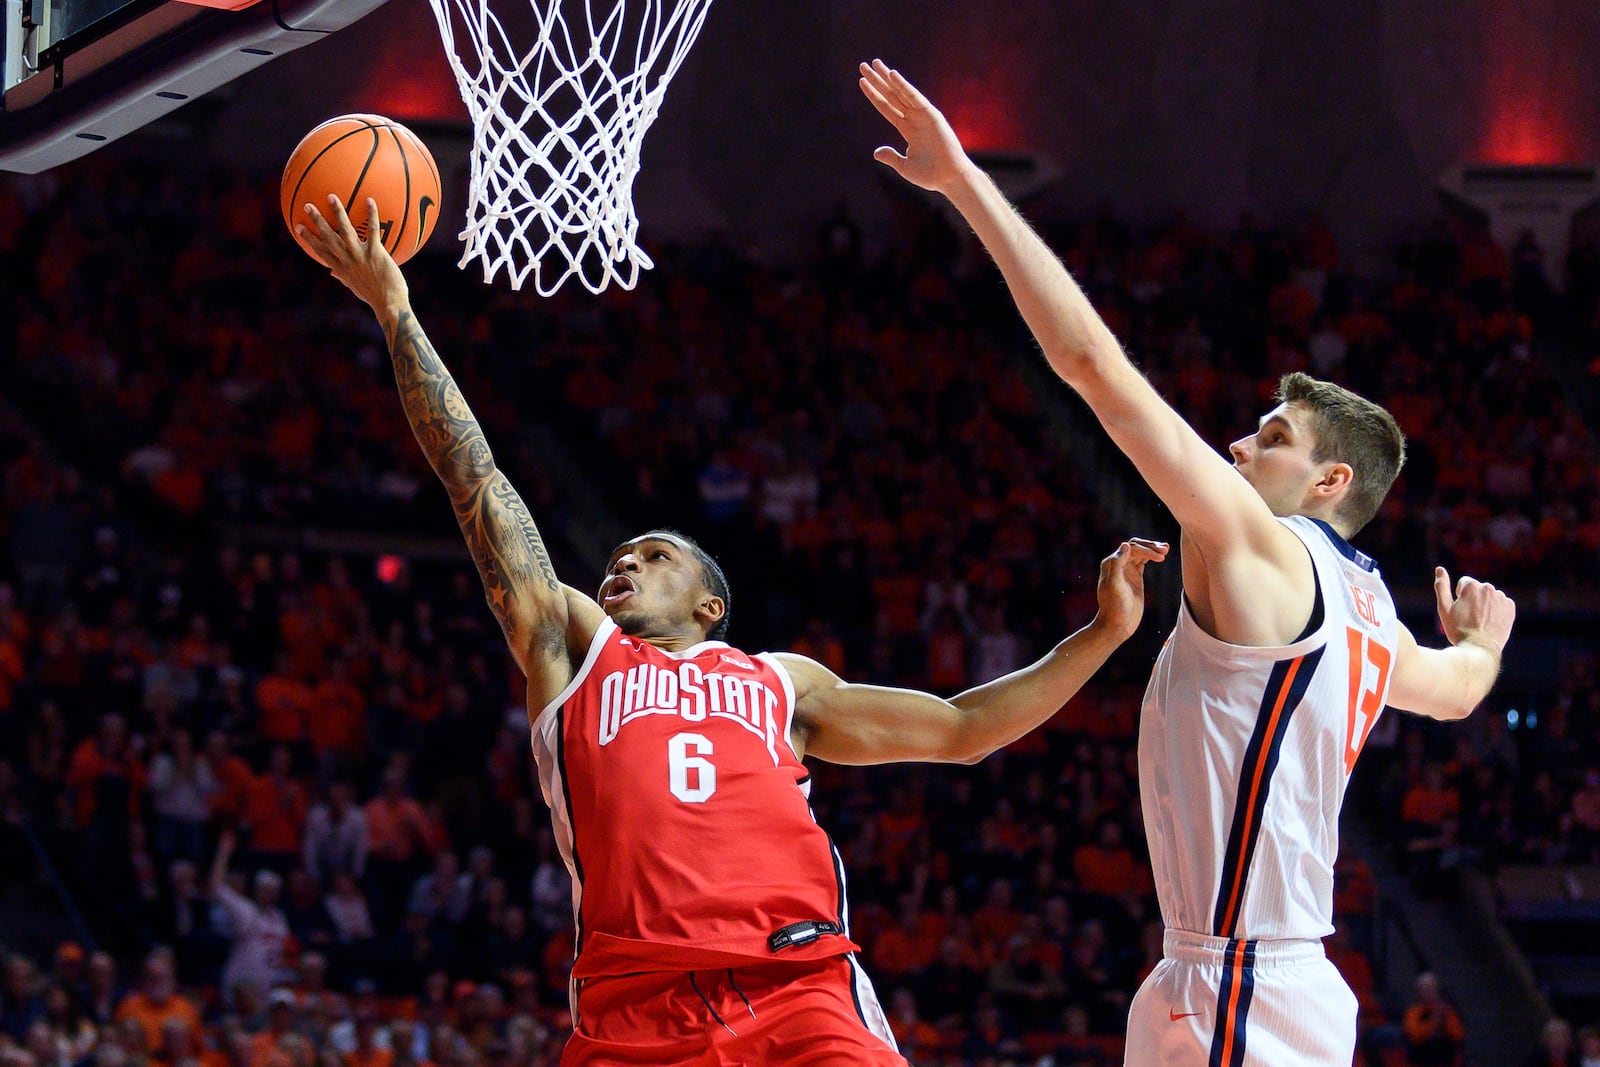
<point x="1215" y="1002"/>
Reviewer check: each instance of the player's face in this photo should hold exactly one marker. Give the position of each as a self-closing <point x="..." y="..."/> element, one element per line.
<point x="652" y="585"/>
<point x="1276" y="459"/>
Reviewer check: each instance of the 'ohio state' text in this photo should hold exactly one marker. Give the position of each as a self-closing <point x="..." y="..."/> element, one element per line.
<point x="691" y="694"/>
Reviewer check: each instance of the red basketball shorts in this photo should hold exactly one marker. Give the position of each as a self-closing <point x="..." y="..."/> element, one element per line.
<point x="819" y="1013"/>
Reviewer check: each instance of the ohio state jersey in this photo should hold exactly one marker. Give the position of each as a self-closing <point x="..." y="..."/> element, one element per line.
<point x="682" y="812"/>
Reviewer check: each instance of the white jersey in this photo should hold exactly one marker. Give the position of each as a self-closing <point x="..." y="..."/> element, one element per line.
<point x="1244" y="755"/>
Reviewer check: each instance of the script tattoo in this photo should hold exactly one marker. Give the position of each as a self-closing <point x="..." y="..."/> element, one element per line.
<point x="501" y="536"/>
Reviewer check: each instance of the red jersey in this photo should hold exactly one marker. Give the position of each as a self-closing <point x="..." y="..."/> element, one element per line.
<point x="683" y="813"/>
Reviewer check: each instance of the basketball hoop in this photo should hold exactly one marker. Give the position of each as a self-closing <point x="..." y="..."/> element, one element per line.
<point x="557" y="130"/>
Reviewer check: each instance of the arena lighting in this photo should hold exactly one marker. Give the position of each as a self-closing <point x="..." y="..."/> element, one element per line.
<point x="1526" y="132"/>
<point x="980" y="115"/>
<point x="425" y="97"/>
<point x="388" y="568"/>
<point x="984" y="114"/>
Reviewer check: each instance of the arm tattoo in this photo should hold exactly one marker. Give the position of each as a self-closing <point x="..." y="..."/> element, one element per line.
<point x="444" y="426"/>
<point x="505" y="544"/>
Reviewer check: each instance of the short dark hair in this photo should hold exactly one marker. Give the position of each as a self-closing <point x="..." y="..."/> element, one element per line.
<point x="710" y="571"/>
<point x="1350" y="429"/>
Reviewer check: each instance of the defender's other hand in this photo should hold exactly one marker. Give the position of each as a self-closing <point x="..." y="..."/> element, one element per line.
<point x="1476" y="611"/>
<point x="364" y="266"/>
<point x="934" y="158"/>
<point x="1120" y="591"/>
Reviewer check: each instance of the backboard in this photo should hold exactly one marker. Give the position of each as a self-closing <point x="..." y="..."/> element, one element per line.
<point x="80" y="73"/>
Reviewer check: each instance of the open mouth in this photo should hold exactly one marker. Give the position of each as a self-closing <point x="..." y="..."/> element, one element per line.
<point x="618" y="589"/>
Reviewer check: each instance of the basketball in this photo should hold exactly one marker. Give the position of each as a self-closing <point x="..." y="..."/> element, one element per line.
<point x="357" y="156"/>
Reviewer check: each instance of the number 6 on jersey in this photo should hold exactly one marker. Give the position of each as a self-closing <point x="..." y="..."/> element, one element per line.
<point x="680" y="762"/>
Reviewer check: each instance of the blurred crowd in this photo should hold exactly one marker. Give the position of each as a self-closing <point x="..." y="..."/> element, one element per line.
<point x="289" y="792"/>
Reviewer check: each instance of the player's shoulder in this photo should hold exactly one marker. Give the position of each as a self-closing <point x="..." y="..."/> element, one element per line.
<point x="802" y="668"/>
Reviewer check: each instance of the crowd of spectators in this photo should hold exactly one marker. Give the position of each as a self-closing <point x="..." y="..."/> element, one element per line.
<point x="290" y="791"/>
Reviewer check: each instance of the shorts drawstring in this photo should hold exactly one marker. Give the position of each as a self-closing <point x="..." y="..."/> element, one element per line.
<point x="739" y="991"/>
<point x="712" y="1010"/>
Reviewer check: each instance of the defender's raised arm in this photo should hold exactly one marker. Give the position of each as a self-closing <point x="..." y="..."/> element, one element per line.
<point x="1232" y="546"/>
<point x="1186" y="473"/>
<point x="538" y="615"/>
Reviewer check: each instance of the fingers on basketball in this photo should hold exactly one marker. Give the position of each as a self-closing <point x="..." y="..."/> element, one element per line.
<point x="353" y="158"/>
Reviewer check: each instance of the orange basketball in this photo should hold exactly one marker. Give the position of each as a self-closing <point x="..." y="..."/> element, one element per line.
<point x="357" y="156"/>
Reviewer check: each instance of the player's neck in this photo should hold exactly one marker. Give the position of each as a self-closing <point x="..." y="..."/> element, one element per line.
<point x="679" y="640"/>
<point x="1339" y="526"/>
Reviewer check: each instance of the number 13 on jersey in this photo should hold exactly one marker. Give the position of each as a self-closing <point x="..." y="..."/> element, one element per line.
<point x="1369" y="681"/>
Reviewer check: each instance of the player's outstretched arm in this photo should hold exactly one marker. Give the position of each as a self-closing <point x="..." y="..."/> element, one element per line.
<point x="1211" y="501"/>
<point x="542" y="619"/>
<point x="862" y="724"/>
<point x="1448" y="683"/>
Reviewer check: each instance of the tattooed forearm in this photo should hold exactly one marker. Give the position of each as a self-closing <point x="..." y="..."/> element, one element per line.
<point x="443" y="423"/>
<point x="505" y="544"/>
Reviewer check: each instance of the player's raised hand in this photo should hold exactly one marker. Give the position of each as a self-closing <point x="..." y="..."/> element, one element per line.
<point x="1474" y="611"/>
<point x="933" y="157"/>
<point x="1120" y="591"/>
<point x="361" y="263"/>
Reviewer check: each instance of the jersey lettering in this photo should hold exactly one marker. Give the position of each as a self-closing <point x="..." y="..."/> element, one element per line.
<point x="1366" y="604"/>
<point x="693" y="695"/>
<point x="1366" y="700"/>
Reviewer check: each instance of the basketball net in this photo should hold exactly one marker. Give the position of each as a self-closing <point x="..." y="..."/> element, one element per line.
<point x="557" y="130"/>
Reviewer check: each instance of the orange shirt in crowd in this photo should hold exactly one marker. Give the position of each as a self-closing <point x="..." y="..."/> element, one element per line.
<point x="1112" y="871"/>
<point x="947" y="660"/>
<point x="338" y="721"/>
<point x="898" y="952"/>
<point x="896" y="596"/>
<point x="285" y="704"/>
<point x="13" y="667"/>
<point x="1356" y="971"/>
<point x="182" y="486"/>
<point x="152" y="1016"/>
<point x="1430" y="806"/>
<point x="89" y="764"/>
<point x="1422" y="1024"/>
<point x="374" y="1057"/>
<point x="276" y="812"/>
<point x="264" y="1049"/>
<point x="303" y="640"/>
<point x="994" y="925"/>
<point x="916" y="1037"/>
<point x="233" y="777"/>
<point x="396" y="829"/>
<point x="827" y="650"/>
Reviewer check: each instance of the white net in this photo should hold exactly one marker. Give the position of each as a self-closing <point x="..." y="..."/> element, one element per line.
<point x="557" y="129"/>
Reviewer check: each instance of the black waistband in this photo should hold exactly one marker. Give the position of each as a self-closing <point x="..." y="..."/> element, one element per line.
<point x="801" y="933"/>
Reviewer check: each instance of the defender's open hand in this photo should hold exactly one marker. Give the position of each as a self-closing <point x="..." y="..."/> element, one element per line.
<point x="933" y="157"/>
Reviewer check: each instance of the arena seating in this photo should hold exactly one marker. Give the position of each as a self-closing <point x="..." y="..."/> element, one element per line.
<point x="860" y="441"/>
